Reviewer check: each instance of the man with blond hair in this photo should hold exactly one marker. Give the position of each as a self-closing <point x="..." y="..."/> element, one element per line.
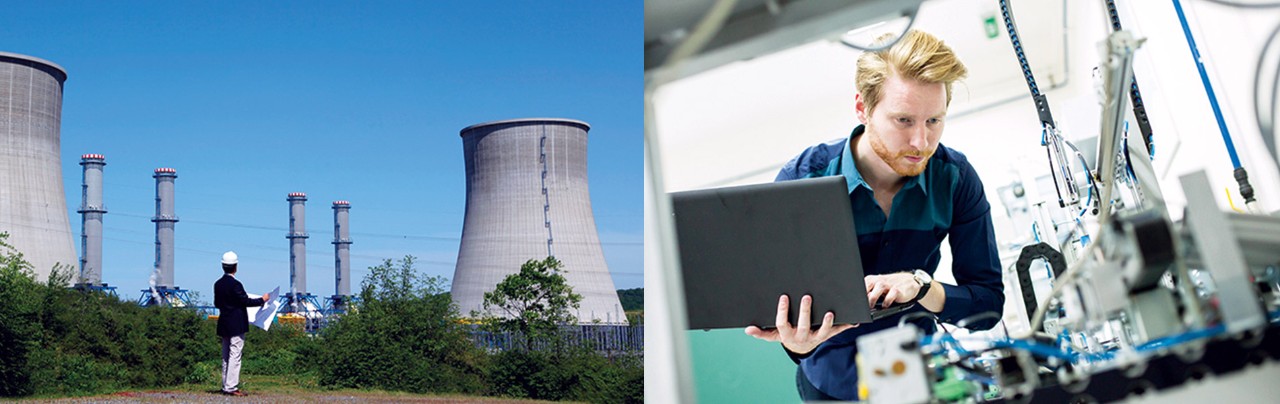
<point x="908" y="192"/>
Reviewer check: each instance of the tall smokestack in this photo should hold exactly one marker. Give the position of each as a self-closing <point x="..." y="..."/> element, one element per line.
<point x="91" y="211"/>
<point x="341" y="249"/>
<point x="164" y="219"/>
<point x="297" y="243"/>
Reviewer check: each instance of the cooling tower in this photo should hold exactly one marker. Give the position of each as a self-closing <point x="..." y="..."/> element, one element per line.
<point x="527" y="199"/>
<point x="91" y="211"/>
<point x="297" y="243"/>
<point x="341" y="249"/>
<point x="33" y="205"/>
<point x="165" y="220"/>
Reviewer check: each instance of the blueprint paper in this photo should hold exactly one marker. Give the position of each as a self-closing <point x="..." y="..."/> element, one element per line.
<point x="262" y="316"/>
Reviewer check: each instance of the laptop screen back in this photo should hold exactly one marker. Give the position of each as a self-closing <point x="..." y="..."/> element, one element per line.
<point x="741" y="247"/>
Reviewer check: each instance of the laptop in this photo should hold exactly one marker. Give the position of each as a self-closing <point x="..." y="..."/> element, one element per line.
<point x="742" y="247"/>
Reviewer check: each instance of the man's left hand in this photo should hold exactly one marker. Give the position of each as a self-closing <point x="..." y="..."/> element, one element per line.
<point x="895" y="288"/>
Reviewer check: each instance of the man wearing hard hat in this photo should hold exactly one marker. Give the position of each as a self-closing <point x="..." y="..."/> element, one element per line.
<point x="233" y="321"/>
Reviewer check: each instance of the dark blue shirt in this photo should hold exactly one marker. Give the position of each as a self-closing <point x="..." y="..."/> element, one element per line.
<point x="944" y="201"/>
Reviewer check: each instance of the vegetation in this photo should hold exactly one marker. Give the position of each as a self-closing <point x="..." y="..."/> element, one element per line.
<point x="403" y="335"/>
<point x="50" y="348"/>
<point x="632" y="299"/>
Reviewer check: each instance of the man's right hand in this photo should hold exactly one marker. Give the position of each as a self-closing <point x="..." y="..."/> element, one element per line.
<point x="800" y="339"/>
<point x="266" y="297"/>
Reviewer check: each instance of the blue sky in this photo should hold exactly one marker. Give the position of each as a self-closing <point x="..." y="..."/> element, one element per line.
<point x="360" y="101"/>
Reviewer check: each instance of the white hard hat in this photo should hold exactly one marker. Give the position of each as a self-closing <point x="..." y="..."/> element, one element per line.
<point x="230" y="258"/>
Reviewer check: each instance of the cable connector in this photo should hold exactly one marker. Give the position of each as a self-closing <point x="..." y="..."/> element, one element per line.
<point x="1246" y="190"/>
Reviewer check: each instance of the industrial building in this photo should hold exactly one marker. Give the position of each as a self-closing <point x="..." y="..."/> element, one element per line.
<point x="527" y="198"/>
<point x="33" y="206"/>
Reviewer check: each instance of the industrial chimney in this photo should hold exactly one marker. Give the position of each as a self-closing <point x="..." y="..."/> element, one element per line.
<point x="297" y="243"/>
<point x="164" y="220"/>
<point x="527" y="198"/>
<point x="341" y="252"/>
<point x="33" y="205"/>
<point x="91" y="211"/>
<point x="162" y="290"/>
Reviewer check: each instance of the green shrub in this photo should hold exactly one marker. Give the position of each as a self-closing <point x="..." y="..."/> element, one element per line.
<point x="19" y="320"/>
<point x="404" y="335"/>
<point x="207" y="372"/>
<point x="577" y="374"/>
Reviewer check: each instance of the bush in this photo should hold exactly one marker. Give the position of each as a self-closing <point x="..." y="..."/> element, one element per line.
<point x="404" y="335"/>
<point x="56" y="340"/>
<point x="579" y="375"/>
<point x="20" y="297"/>
<point x="207" y="372"/>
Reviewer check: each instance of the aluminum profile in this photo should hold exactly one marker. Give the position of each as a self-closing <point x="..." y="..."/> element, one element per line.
<point x="297" y="243"/>
<point x="92" y="209"/>
<point x="33" y="205"/>
<point x="527" y="198"/>
<point x="342" y="248"/>
<point x="165" y="219"/>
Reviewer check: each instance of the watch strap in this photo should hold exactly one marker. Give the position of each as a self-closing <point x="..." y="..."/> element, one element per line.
<point x="924" y="289"/>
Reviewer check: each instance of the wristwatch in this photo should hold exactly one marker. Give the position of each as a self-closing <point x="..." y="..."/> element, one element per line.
<point x="925" y="282"/>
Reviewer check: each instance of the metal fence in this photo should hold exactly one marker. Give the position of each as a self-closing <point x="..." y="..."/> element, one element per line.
<point x="603" y="338"/>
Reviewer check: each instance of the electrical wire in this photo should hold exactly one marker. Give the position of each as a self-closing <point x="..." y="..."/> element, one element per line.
<point x="911" y="20"/>
<point x="1230" y="201"/>
<point x="1177" y="339"/>
<point x="983" y="315"/>
<point x="1093" y="186"/>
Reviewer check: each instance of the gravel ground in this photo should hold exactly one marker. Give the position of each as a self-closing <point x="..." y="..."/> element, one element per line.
<point x="302" y="397"/>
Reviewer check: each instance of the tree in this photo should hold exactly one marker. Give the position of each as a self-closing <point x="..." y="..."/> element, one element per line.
<point x="534" y="302"/>
<point x="631" y="299"/>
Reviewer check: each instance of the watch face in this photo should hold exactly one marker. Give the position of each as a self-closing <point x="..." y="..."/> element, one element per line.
<point x="923" y="277"/>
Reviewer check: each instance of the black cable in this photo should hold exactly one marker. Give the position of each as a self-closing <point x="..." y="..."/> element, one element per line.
<point x="1092" y="184"/>
<point x="1042" y="103"/>
<point x="1139" y="109"/>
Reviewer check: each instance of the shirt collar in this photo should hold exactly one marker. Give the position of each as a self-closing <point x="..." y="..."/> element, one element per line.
<point x="853" y="178"/>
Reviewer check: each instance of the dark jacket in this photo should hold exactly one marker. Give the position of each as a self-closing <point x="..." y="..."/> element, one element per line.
<point x="231" y="300"/>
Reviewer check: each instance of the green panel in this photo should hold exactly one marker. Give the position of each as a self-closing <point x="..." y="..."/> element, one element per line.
<point x="730" y="366"/>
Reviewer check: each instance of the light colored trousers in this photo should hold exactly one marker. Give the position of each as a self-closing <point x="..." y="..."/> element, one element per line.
<point x="231" y="348"/>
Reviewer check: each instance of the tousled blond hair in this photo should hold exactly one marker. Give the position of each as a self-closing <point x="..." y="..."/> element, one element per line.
<point x="919" y="56"/>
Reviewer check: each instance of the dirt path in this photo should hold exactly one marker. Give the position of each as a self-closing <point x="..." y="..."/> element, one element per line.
<point x="161" y="396"/>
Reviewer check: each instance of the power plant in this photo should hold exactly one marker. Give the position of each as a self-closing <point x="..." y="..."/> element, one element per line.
<point x="92" y="209"/>
<point x="33" y="205"/>
<point x="527" y="198"/>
